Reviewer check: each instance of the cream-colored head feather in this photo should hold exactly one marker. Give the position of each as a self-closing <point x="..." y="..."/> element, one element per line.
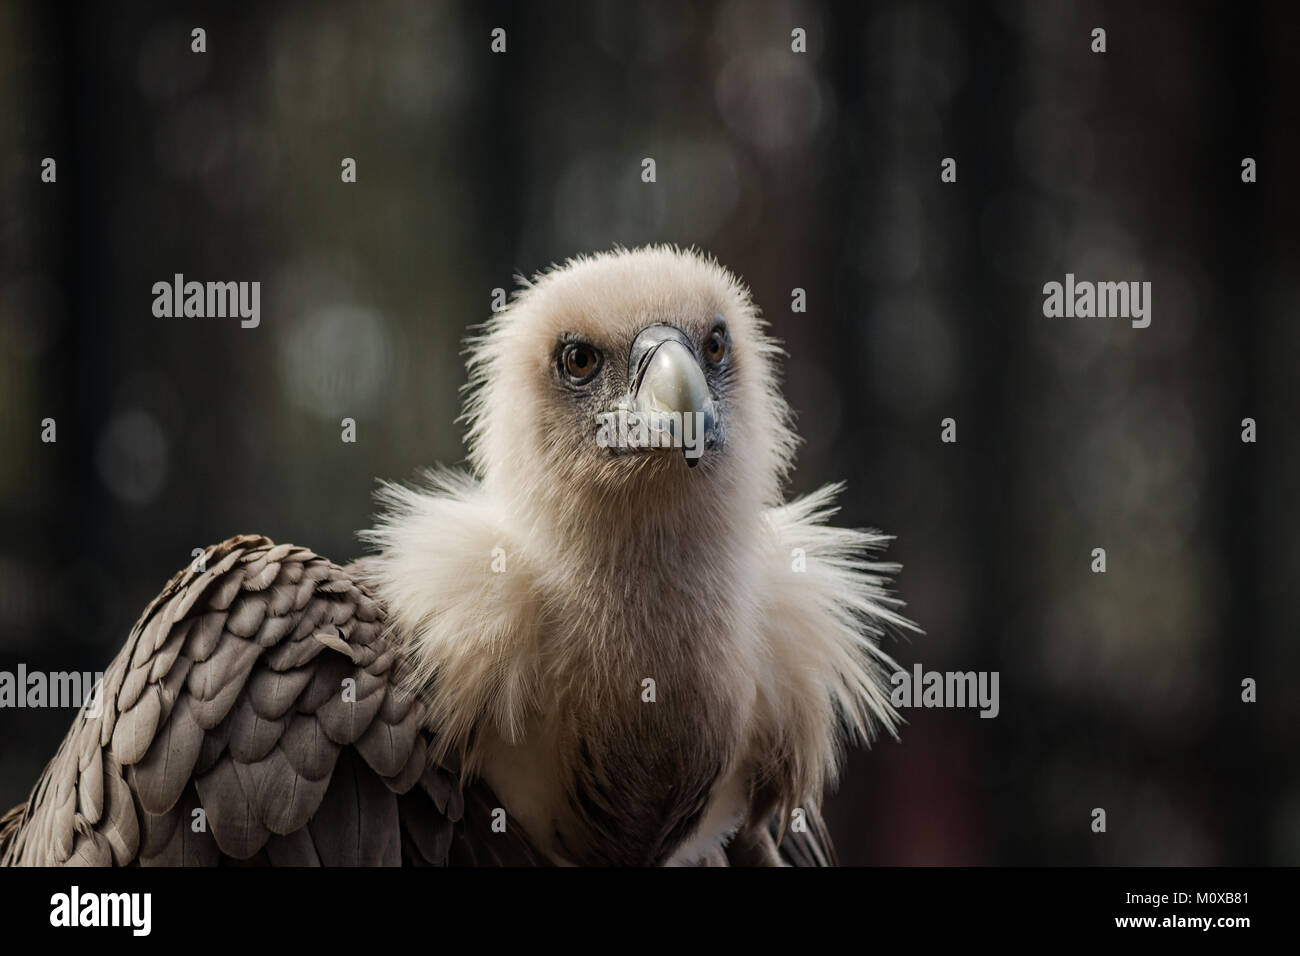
<point x="516" y="413"/>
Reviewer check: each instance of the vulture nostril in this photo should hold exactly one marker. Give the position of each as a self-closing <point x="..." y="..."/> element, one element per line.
<point x="642" y="365"/>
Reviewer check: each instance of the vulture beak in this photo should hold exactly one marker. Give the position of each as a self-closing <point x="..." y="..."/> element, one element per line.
<point x="667" y="387"/>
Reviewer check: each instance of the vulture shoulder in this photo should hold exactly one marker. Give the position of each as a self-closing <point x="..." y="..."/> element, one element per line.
<point x="255" y="717"/>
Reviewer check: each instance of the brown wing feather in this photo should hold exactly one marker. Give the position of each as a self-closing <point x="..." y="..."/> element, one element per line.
<point x="228" y="697"/>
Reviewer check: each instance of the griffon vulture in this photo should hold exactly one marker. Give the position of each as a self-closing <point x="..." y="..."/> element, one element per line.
<point x="585" y="651"/>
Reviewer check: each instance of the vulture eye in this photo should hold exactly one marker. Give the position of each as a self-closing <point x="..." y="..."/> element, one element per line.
<point x="715" y="346"/>
<point x="579" y="362"/>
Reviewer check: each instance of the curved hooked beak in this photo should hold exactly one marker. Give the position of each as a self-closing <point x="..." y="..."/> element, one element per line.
<point x="667" y="387"/>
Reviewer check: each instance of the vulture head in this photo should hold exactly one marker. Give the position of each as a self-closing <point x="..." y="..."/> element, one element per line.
<point x="634" y="384"/>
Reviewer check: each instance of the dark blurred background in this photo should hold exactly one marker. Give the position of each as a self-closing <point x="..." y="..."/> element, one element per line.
<point x="818" y="171"/>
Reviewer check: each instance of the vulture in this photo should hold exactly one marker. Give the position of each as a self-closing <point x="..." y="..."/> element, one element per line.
<point x="592" y="646"/>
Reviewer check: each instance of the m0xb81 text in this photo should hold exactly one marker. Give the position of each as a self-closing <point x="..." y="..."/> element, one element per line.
<point x="1162" y="899"/>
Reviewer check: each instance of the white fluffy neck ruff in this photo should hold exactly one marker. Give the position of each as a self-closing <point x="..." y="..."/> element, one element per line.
<point x="474" y="579"/>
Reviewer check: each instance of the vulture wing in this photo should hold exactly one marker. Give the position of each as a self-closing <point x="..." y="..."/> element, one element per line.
<point x="253" y="717"/>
